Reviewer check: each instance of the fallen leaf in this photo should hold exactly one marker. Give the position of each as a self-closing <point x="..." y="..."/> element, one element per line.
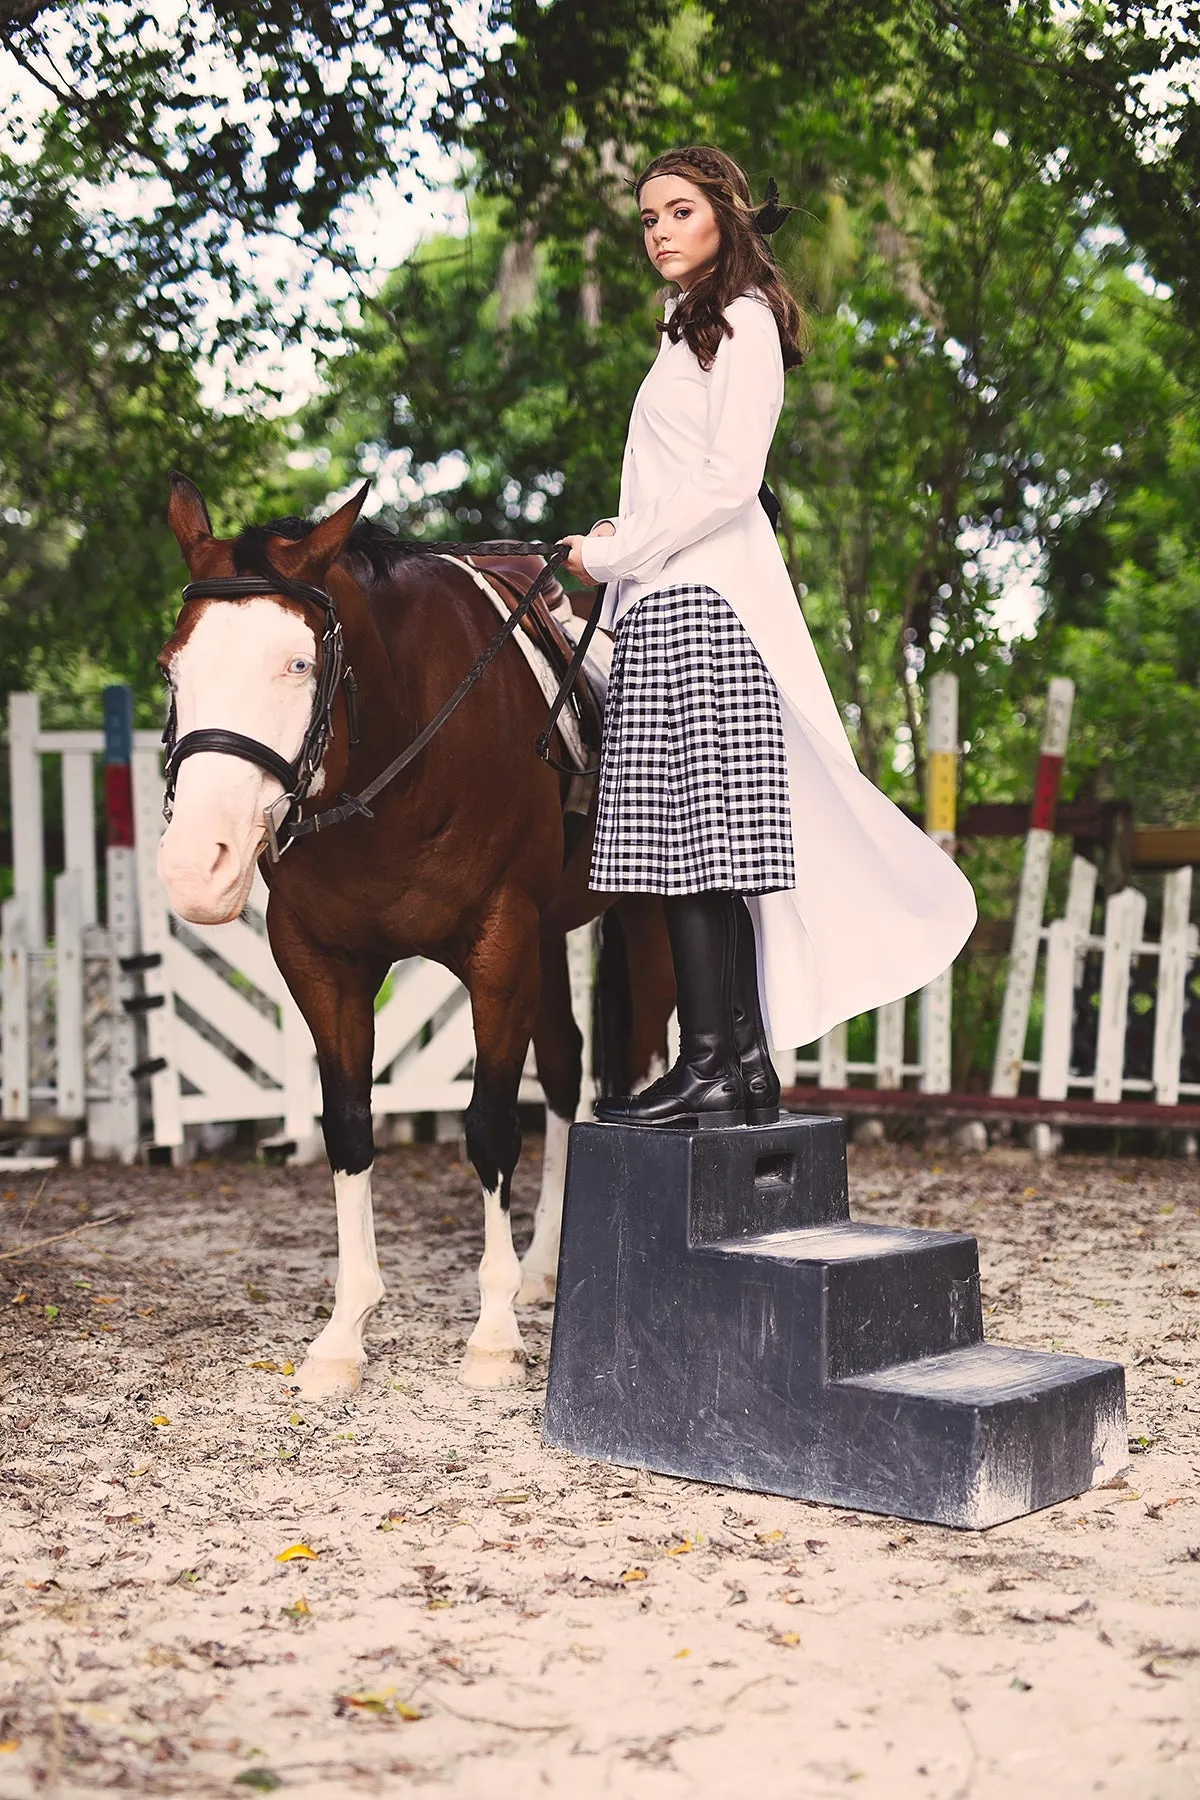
<point x="510" y="1500"/>
<point x="768" y="1537"/>
<point x="295" y="1419"/>
<point x="9" y="1744"/>
<point x="105" y="1299"/>
<point x="404" y="1711"/>
<point x="681" y="1549"/>
<point x="51" y="1311"/>
<point x="1158" y="1668"/>
<point x="264" y="1781"/>
<point x="296" y="1553"/>
<point x="301" y="1610"/>
<point x="633" y="1575"/>
<point x="789" y="1638"/>
<point x="160" y="1419"/>
<point x="681" y="1653"/>
<point x="372" y="1700"/>
<point x="1022" y="1687"/>
<point x="19" y="1300"/>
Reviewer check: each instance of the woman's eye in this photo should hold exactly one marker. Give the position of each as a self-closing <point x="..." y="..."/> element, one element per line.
<point x="299" y="665"/>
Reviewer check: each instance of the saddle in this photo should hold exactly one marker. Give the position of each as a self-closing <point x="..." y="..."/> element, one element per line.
<point x="512" y="577"/>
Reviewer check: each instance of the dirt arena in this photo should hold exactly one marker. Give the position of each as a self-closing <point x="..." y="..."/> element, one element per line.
<point x="467" y="1613"/>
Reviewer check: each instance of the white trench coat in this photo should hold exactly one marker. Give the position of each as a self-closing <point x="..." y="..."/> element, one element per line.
<point x="878" y="909"/>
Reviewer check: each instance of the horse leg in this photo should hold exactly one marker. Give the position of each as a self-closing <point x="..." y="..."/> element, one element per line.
<point x="337" y="998"/>
<point x="650" y="974"/>
<point x="502" y="977"/>
<point x="558" y="1043"/>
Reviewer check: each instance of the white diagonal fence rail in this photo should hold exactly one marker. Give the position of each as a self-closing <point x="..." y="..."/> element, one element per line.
<point x="142" y="1030"/>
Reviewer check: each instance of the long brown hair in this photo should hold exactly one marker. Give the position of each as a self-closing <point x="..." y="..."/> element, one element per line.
<point x="743" y="260"/>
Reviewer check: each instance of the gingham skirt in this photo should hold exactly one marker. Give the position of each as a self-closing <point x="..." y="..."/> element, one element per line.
<point x="693" y="771"/>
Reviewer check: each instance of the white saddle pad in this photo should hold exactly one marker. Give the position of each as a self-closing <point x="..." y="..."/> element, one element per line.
<point x="597" y="664"/>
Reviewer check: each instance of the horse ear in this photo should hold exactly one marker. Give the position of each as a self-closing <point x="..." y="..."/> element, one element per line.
<point x="326" y="541"/>
<point x="187" y="514"/>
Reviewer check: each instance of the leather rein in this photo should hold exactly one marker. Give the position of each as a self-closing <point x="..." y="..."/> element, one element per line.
<point x="286" y="821"/>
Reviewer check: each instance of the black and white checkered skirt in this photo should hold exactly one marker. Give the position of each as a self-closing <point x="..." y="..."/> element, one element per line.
<point x="693" y="770"/>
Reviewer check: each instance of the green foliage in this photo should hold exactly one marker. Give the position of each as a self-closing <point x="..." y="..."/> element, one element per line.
<point x="97" y="402"/>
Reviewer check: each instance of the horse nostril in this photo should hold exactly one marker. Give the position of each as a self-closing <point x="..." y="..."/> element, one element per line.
<point x="222" y="857"/>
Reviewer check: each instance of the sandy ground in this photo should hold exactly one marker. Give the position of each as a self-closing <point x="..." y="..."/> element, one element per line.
<point x="483" y="1617"/>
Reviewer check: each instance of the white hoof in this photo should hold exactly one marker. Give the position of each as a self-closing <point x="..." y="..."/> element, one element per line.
<point x="537" y="1287"/>
<point x="329" y="1378"/>
<point x="492" y="1368"/>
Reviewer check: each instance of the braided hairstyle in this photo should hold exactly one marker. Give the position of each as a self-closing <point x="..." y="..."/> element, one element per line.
<point x="743" y="261"/>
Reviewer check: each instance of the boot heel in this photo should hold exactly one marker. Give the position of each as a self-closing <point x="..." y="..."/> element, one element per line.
<point x="762" y="1115"/>
<point x="713" y="1121"/>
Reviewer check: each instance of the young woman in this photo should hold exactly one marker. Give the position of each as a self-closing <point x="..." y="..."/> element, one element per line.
<point x="797" y="895"/>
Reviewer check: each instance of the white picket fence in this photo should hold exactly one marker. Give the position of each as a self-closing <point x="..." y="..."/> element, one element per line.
<point x="204" y="1016"/>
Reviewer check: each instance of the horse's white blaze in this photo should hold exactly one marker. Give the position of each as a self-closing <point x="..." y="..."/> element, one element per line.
<point x="242" y="667"/>
<point x="495" y="1355"/>
<point x="539" y="1269"/>
<point x="335" y="1361"/>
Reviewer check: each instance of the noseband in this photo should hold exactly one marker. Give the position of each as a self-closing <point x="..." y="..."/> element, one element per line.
<point x="296" y="778"/>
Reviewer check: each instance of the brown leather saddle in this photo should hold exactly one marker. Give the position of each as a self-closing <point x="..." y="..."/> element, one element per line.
<point x="512" y="577"/>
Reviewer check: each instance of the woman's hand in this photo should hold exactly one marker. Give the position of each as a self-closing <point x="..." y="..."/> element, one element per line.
<point x="574" y="565"/>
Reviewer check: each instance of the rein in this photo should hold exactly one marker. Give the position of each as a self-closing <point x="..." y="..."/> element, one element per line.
<point x="285" y="820"/>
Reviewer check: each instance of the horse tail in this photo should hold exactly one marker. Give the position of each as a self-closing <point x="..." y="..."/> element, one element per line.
<point x="612" y="1009"/>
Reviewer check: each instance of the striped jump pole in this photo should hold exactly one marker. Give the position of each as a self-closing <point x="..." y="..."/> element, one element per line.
<point x="941" y="798"/>
<point x="1031" y="896"/>
<point x="117" y="1132"/>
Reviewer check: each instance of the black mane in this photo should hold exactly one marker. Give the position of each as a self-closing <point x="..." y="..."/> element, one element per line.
<point x="371" y="543"/>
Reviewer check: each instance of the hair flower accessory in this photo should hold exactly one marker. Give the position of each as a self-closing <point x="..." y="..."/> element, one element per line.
<point x="771" y="215"/>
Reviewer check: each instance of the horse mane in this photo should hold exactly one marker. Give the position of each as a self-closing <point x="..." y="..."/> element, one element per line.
<point x="374" y="546"/>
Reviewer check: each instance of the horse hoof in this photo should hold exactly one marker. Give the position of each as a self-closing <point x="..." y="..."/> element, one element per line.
<point x="328" y="1378"/>
<point x="492" y="1368"/>
<point x="537" y="1289"/>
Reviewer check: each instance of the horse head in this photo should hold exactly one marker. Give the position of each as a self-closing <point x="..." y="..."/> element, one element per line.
<point x="245" y="666"/>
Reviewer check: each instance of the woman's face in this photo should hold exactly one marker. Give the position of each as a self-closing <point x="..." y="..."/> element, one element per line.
<point x="680" y="227"/>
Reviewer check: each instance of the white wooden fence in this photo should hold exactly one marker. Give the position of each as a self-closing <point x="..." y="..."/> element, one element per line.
<point x="142" y="1030"/>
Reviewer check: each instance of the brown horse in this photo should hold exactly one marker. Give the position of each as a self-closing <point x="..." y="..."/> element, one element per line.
<point x="463" y="859"/>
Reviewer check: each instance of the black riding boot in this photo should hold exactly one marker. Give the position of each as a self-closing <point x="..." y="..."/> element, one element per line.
<point x="754" y="1054"/>
<point x="704" y="1089"/>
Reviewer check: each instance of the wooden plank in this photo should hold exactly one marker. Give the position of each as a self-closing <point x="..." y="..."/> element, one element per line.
<point x="889" y="1045"/>
<point x="1031" y="895"/>
<point x="940" y="810"/>
<point x="25" y="803"/>
<point x="68" y="995"/>
<point x="240" y="945"/>
<point x="1165" y="846"/>
<point x="443" y="1058"/>
<point x="79" y="826"/>
<point x="423" y="1097"/>
<point x="302" y="1098"/>
<point x="227" y="1011"/>
<point x="1066" y="941"/>
<point x="1124" y="919"/>
<point x="419" y="988"/>
<point x="832" y="1054"/>
<point x="161" y="1024"/>
<point x="226" y="1094"/>
<point x="14" y="948"/>
<point x="1173" y="962"/>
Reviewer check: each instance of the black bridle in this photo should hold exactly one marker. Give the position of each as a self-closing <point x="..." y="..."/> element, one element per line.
<point x="285" y="818"/>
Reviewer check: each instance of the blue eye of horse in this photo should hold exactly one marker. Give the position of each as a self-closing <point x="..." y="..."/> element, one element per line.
<point x="299" y="665"/>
